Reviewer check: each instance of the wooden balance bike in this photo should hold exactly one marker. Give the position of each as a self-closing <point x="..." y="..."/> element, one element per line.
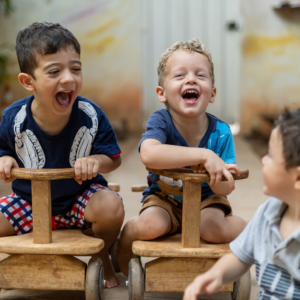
<point x="181" y="257"/>
<point x="44" y="259"/>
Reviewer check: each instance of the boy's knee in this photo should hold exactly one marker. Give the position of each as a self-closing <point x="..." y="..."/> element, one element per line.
<point x="213" y="231"/>
<point x="148" y="228"/>
<point x="109" y="207"/>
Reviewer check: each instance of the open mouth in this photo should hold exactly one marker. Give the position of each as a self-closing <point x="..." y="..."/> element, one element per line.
<point x="190" y="96"/>
<point x="64" y="98"/>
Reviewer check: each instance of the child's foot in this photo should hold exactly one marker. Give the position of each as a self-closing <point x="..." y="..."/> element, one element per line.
<point x="109" y="273"/>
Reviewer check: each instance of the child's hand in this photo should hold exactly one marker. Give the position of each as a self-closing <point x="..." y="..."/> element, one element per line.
<point x="206" y="283"/>
<point x="199" y="169"/>
<point x="216" y="168"/>
<point x="86" y="168"/>
<point x="6" y="164"/>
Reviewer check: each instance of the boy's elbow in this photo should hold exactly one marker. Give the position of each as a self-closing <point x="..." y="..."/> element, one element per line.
<point x="116" y="162"/>
<point x="146" y="158"/>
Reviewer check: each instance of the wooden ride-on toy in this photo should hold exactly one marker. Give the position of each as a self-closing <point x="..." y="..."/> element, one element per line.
<point x="181" y="257"/>
<point x="43" y="259"/>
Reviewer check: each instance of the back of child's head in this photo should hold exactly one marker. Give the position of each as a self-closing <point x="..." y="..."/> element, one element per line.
<point x="192" y="46"/>
<point x="43" y="38"/>
<point x="288" y="124"/>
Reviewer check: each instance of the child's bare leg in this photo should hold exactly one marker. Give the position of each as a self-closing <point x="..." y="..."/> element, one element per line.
<point x="6" y="228"/>
<point x="152" y="223"/>
<point x="215" y="227"/>
<point x="106" y="213"/>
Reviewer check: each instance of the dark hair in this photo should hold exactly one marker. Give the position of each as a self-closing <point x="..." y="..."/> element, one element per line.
<point x="44" y="38"/>
<point x="289" y="127"/>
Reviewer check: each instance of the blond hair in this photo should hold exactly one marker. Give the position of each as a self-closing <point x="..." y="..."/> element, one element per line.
<point x="192" y="46"/>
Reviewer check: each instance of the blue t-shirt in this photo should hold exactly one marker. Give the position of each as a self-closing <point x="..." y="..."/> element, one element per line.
<point x="217" y="138"/>
<point x="88" y="132"/>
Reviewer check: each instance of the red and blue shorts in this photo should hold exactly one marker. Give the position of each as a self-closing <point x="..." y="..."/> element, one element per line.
<point x="19" y="213"/>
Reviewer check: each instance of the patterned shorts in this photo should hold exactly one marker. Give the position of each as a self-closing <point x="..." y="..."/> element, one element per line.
<point x="19" y="213"/>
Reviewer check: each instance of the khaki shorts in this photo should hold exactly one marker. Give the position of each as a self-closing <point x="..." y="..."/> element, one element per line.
<point x="176" y="213"/>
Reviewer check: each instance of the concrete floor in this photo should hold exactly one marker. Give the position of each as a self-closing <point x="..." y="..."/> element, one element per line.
<point x="245" y="200"/>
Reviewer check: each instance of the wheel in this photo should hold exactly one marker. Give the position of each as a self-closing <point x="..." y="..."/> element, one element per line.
<point x="242" y="287"/>
<point x="94" y="280"/>
<point x="113" y="256"/>
<point x="136" y="280"/>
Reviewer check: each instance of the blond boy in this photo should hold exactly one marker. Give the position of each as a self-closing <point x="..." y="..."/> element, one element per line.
<point x="183" y="135"/>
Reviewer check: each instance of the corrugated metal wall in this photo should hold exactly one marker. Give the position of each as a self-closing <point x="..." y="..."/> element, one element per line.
<point x="165" y="22"/>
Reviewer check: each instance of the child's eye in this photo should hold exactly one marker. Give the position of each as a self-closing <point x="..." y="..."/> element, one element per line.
<point x="200" y="75"/>
<point x="76" y="69"/>
<point x="53" y="72"/>
<point x="178" y="75"/>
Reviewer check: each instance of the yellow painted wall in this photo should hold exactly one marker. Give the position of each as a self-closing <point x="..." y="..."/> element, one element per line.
<point x="270" y="73"/>
<point x="109" y="34"/>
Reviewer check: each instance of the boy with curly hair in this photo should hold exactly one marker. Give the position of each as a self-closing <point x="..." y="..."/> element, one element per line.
<point x="181" y="135"/>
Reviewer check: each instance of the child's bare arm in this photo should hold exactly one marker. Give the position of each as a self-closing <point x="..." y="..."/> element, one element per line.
<point x="89" y="167"/>
<point x="161" y="156"/>
<point x="6" y="164"/>
<point x="228" y="269"/>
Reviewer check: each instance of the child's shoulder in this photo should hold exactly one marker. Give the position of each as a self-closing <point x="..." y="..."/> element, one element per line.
<point x="270" y="210"/>
<point x="16" y="106"/>
<point x="217" y="125"/>
<point x="90" y="109"/>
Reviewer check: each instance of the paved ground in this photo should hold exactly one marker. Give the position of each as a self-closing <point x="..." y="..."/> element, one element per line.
<point x="245" y="200"/>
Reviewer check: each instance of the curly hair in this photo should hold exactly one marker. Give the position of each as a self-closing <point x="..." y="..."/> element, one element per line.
<point x="192" y="45"/>
<point x="288" y="124"/>
<point x="43" y="38"/>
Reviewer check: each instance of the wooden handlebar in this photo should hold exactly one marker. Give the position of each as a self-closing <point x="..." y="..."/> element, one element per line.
<point x="50" y="174"/>
<point x="42" y="174"/>
<point x="188" y="174"/>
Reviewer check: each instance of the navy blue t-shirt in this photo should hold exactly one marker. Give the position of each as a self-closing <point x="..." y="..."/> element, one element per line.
<point x="218" y="138"/>
<point x="88" y="132"/>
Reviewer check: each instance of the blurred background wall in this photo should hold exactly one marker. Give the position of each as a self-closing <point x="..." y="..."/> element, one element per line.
<point x="109" y="34"/>
<point x="255" y="49"/>
<point x="270" y="70"/>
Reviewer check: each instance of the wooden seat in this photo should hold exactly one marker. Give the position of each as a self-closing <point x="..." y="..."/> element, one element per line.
<point x="43" y="259"/>
<point x="68" y="241"/>
<point x="170" y="246"/>
<point x="181" y="257"/>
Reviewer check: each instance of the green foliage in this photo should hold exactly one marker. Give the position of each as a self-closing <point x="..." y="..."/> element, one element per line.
<point x="3" y="70"/>
<point x="5" y="7"/>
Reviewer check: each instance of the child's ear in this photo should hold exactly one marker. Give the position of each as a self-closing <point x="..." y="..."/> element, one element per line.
<point x="160" y="92"/>
<point x="27" y="81"/>
<point x="213" y="95"/>
<point x="297" y="181"/>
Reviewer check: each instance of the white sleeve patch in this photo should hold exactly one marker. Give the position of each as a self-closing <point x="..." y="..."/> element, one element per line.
<point x="84" y="138"/>
<point x="27" y="145"/>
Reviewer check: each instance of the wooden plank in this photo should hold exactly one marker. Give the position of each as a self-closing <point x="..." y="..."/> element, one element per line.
<point x="67" y="241"/>
<point x="41" y="211"/>
<point x="188" y="174"/>
<point x="42" y="272"/>
<point x="191" y="214"/>
<point x="114" y="186"/>
<point x="138" y="188"/>
<point x="170" y="246"/>
<point x="43" y="174"/>
<point x="175" y="274"/>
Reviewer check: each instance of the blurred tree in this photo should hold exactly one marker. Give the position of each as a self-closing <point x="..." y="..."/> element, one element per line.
<point x="5" y="9"/>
